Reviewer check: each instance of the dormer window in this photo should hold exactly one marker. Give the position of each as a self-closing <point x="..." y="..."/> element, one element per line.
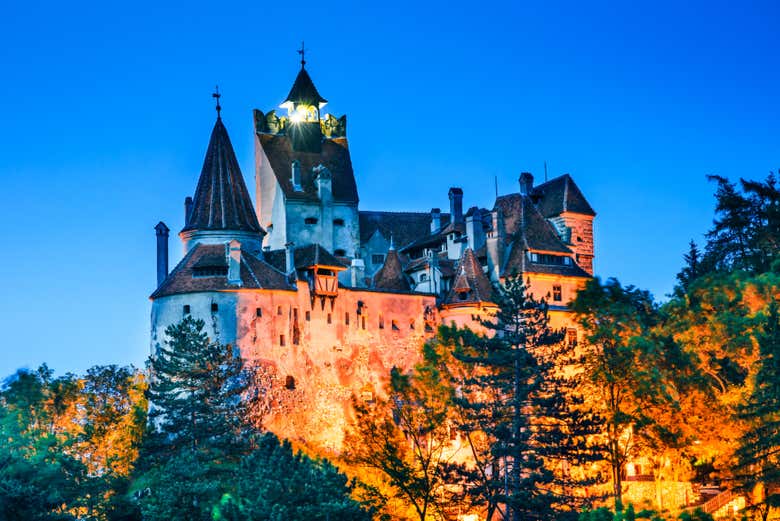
<point x="338" y="222"/>
<point x="296" y="176"/>
<point x="310" y="220"/>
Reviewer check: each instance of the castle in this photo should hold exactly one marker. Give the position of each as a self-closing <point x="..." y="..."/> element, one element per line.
<point x="326" y="298"/>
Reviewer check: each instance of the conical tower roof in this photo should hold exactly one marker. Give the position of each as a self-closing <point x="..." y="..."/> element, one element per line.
<point x="304" y="92"/>
<point x="221" y="199"/>
<point x="391" y="275"/>
<point x="471" y="285"/>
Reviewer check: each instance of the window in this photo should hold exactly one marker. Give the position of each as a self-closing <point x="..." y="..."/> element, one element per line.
<point x="557" y="293"/>
<point x="463" y="295"/>
<point x="423" y="277"/>
<point x="289" y="383"/>
<point x="330" y="318"/>
<point x="281" y="340"/>
<point x="310" y="220"/>
<point x="338" y="222"/>
<point x="377" y="258"/>
<point x="571" y="336"/>
<point x="209" y="271"/>
<point x="186" y="309"/>
<point x="279" y="311"/>
<point x="214" y="307"/>
<point x="394" y="325"/>
<point x="340" y="253"/>
<point x="411" y="323"/>
<point x="259" y="312"/>
<point x="363" y="322"/>
<point x="381" y="322"/>
<point x="308" y="316"/>
<point x="346" y="318"/>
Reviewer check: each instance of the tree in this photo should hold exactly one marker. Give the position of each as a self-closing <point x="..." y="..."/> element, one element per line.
<point x="305" y="490"/>
<point x="758" y="456"/>
<point x="517" y="410"/>
<point x="198" y="432"/>
<point x="625" y="368"/>
<point x="406" y="437"/>
<point x="746" y="230"/>
<point x="692" y="269"/>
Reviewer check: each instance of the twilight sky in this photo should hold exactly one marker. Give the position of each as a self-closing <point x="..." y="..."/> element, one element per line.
<point x="107" y="110"/>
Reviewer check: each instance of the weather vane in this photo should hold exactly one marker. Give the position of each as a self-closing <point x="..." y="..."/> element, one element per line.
<point x="216" y="96"/>
<point x="302" y="52"/>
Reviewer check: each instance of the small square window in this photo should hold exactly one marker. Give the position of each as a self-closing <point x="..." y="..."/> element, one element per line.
<point x="381" y="322"/>
<point x="411" y="323"/>
<point x="394" y="325"/>
<point x="281" y="340"/>
<point x="338" y="222"/>
<point x="259" y="312"/>
<point x="557" y="293"/>
<point x="571" y="336"/>
<point x="214" y="307"/>
<point x="279" y="311"/>
<point x="346" y="318"/>
<point x="330" y="318"/>
<point x="310" y="220"/>
<point x="186" y="309"/>
<point x="340" y="253"/>
<point x="377" y="258"/>
<point x="308" y="316"/>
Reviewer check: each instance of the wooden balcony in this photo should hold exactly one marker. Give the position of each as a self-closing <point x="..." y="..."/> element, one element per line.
<point x="326" y="284"/>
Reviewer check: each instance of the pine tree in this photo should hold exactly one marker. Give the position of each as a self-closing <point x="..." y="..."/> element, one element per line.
<point x="197" y="431"/>
<point x="759" y="452"/>
<point x="515" y="412"/>
<point x="691" y="270"/>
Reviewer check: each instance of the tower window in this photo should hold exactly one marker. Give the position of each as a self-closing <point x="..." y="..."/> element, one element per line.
<point x="340" y="253"/>
<point x="377" y="258"/>
<point x="411" y="323"/>
<point x="557" y="293"/>
<point x="308" y="316"/>
<point x="423" y="277"/>
<point x="259" y="312"/>
<point x="394" y="325"/>
<point x="362" y="322"/>
<point x="281" y="340"/>
<point x="330" y="318"/>
<point x="381" y="322"/>
<point x="186" y="309"/>
<point x="338" y="222"/>
<point x="289" y="383"/>
<point x="214" y="307"/>
<point x="310" y="220"/>
<point x="346" y="318"/>
<point x="279" y="310"/>
<point x="571" y="336"/>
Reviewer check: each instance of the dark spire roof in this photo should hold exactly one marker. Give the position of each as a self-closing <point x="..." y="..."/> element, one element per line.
<point x="221" y="199"/>
<point x="559" y="195"/>
<point x="391" y="275"/>
<point x="304" y="92"/>
<point x="471" y="285"/>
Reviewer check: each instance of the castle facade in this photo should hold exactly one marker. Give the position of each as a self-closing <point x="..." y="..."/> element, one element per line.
<point x="326" y="298"/>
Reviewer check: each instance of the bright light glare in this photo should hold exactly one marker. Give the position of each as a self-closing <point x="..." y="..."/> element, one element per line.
<point x="296" y="117"/>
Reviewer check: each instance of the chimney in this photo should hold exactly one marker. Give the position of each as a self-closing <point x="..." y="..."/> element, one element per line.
<point x="495" y="246"/>
<point x="289" y="257"/>
<point x="526" y="183"/>
<point x="324" y="184"/>
<point x="162" y="252"/>
<point x="233" y="254"/>
<point x="187" y="209"/>
<point x="358" y="273"/>
<point x="456" y="204"/>
<point x="435" y="220"/>
<point x="474" y="230"/>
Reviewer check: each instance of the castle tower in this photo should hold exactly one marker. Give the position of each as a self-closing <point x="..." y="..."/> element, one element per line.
<point x="221" y="209"/>
<point x="305" y="187"/>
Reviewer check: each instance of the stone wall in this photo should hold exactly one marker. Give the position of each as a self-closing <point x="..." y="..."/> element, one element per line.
<point x="581" y="236"/>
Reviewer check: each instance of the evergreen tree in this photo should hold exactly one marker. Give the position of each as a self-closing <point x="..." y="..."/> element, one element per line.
<point x="197" y="431"/>
<point x="515" y="412"/>
<point x="759" y="453"/>
<point x="692" y="269"/>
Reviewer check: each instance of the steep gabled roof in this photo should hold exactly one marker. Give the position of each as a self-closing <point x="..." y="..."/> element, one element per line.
<point x="221" y="199"/>
<point x="523" y="223"/>
<point x="560" y="195"/>
<point x="315" y="255"/>
<point x="471" y="285"/>
<point x="334" y="156"/>
<point x="255" y="273"/>
<point x="391" y="275"/>
<point x="404" y="227"/>
<point x="304" y="92"/>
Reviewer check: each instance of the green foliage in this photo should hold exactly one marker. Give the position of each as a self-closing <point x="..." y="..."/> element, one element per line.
<point x="275" y="484"/>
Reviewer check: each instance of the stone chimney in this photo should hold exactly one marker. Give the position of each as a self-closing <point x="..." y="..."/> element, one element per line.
<point x="187" y="209"/>
<point x="474" y="230"/>
<point x="495" y="246"/>
<point x="162" y="251"/>
<point x="289" y="257"/>
<point x="435" y="220"/>
<point x="295" y="177"/>
<point x="358" y="273"/>
<point x="456" y="204"/>
<point x="526" y="183"/>
<point x="233" y="254"/>
<point x="324" y="183"/>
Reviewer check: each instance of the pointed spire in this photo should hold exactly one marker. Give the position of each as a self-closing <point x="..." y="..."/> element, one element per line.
<point x="216" y="96"/>
<point x="221" y="199"/>
<point x="391" y="275"/>
<point x="303" y="92"/>
<point x="302" y="52"/>
<point x="471" y="285"/>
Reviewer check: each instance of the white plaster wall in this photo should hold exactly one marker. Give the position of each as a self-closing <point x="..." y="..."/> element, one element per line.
<point x="277" y="233"/>
<point x="251" y="242"/>
<point x="376" y="244"/>
<point x="220" y="325"/>
<point x="346" y="237"/>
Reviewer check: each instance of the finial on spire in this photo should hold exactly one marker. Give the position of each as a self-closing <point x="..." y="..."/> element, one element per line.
<point x="392" y="246"/>
<point x="216" y="96"/>
<point x="302" y="52"/>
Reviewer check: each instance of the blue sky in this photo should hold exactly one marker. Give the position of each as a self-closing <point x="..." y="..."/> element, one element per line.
<point x="106" y="112"/>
